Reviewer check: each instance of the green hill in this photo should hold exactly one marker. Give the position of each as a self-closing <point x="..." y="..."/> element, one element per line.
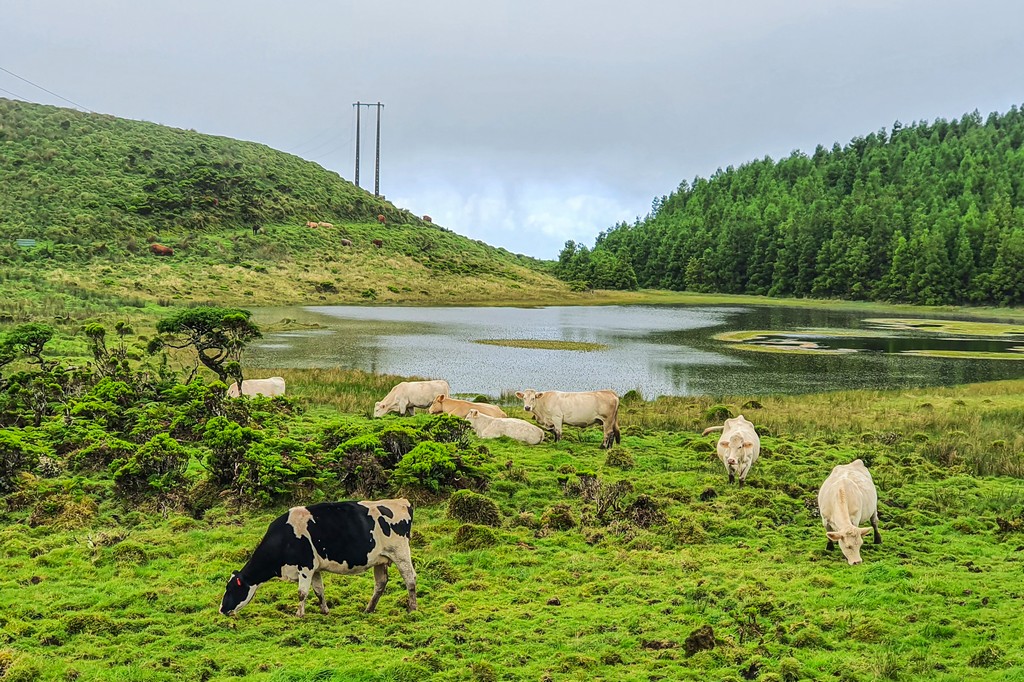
<point x="930" y="213"/>
<point x="92" y="190"/>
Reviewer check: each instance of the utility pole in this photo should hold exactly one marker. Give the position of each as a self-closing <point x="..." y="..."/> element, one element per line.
<point x="359" y="108"/>
<point x="376" y="165"/>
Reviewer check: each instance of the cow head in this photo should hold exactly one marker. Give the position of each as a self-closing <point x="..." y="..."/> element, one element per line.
<point x="379" y="409"/>
<point x="529" y="396"/>
<point x="437" y="407"/>
<point x="849" y="541"/>
<point x="238" y="594"/>
<point x="472" y="415"/>
<point x="734" y="450"/>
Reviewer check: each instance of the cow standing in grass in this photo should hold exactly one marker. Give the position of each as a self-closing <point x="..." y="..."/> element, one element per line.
<point x="337" y="537"/>
<point x="847" y="499"/>
<point x="738" y="448"/>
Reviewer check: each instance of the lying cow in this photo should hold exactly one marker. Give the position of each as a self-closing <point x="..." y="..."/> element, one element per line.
<point x="346" y="242"/>
<point x="410" y="394"/>
<point x="496" y="427"/>
<point x="460" y="408"/>
<point x="847" y="499"/>
<point x="161" y="250"/>
<point x="381" y="219"/>
<point x="378" y="243"/>
<point x="312" y="224"/>
<point x="738" y="448"/>
<point x="322" y="224"/>
<point x="269" y="387"/>
<point x="552" y="409"/>
<point x="337" y="537"/>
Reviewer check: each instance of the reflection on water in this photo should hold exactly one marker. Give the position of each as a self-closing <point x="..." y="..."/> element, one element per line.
<point x="657" y="350"/>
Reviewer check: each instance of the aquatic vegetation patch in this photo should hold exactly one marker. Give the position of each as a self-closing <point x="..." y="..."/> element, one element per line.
<point x="544" y="344"/>
<point x="958" y="327"/>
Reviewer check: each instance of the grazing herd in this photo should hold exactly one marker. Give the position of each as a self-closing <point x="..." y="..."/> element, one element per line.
<point x="351" y="537"/>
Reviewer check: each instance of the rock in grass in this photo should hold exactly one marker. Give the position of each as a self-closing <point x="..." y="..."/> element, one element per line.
<point x="470" y="507"/>
<point x="469" y="537"/>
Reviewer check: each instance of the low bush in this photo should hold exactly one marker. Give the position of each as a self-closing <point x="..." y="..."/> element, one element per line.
<point x="470" y="507"/>
<point x="158" y="465"/>
<point x="469" y="537"/>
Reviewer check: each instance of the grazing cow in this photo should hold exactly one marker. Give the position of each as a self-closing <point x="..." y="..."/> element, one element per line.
<point x="378" y="243"/>
<point x="409" y="394"/>
<point x="381" y="219"/>
<point x="161" y="250"/>
<point x="496" y="427"/>
<point x="551" y="409"/>
<point x="312" y="224"/>
<point x="427" y="219"/>
<point x="337" y="537"/>
<point x="738" y="448"/>
<point x="847" y="499"/>
<point x="255" y="230"/>
<point x="268" y="387"/>
<point x="346" y="242"/>
<point x="325" y="224"/>
<point x="460" y="408"/>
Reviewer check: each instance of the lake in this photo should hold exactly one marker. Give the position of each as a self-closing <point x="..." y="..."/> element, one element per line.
<point x="656" y="350"/>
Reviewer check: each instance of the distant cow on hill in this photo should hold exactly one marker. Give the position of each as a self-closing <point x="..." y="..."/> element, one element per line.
<point x="312" y="224"/>
<point x="326" y="224"/>
<point x="427" y="219"/>
<point x="346" y="242"/>
<point x="378" y="243"/>
<point x="161" y="250"/>
<point x="381" y="219"/>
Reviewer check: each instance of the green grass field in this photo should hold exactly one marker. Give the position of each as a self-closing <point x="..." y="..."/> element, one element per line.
<point x="618" y="592"/>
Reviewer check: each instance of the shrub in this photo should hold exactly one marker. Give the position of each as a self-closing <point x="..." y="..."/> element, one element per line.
<point x="645" y="512"/>
<point x="16" y="455"/>
<point x="559" y="517"/>
<point x="158" y="464"/>
<point x="469" y="537"/>
<point x="428" y="465"/>
<point x="228" y="442"/>
<point x="275" y="467"/>
<point x="447" y="428"/>
<point x="620" y="459"/>
<point x="470" y="507"/>
<point x="717" y="414"/>
<point x="357" y="466"/>
<point x="397" y="442"/>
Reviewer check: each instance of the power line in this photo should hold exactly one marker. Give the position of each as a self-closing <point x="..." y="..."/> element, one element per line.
<point x="14" y="94"/>
<point x="45" y="90"/>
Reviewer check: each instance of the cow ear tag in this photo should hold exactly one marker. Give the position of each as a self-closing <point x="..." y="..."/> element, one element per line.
<point x="239" y="581"/>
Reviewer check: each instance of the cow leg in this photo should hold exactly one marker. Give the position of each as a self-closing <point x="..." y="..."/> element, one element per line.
<point x="305" y="580"/>
<point x="874" y="524"/>
<point x="830" y="546"/>
<point x="408" y="573"/>
<point x="318" y="590"/>
<point x="609" y="435"/>
<point x="556" y="427"/>
<point x="380" y="581"/>
<point x="732" y="477"/>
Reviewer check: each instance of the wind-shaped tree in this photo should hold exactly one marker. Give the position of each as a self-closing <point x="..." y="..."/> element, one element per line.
<point x="218" y="335"/>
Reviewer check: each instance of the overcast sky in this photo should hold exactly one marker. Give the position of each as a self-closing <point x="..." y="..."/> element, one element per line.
<point x="520" y="122"/>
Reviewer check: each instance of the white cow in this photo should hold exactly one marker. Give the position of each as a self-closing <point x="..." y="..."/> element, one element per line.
<point x="551" y="409"/>
<point x="269" y="387"/>
<point x="847" y="499"/>
<point x="408" y="395"/>
<point x="496" y="427"/>
<point x="738" y="448"/>
<point x="460" y="408"/>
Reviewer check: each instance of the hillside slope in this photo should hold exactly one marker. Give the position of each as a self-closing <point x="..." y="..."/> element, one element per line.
<point x="929" y="213"/>
<point x="92" y="190"/>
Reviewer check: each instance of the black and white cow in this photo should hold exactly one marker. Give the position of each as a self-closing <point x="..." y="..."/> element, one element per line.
<point x="337" y="537"/>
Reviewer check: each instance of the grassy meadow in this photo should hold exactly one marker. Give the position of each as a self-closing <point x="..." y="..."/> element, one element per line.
<point x="639" y="563"/>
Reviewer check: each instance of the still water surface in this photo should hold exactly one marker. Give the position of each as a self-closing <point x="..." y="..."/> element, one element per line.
<point x="657" y="350"/>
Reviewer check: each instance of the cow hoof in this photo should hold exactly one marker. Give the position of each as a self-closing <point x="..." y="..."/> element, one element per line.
<point x="324" y="610"/>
